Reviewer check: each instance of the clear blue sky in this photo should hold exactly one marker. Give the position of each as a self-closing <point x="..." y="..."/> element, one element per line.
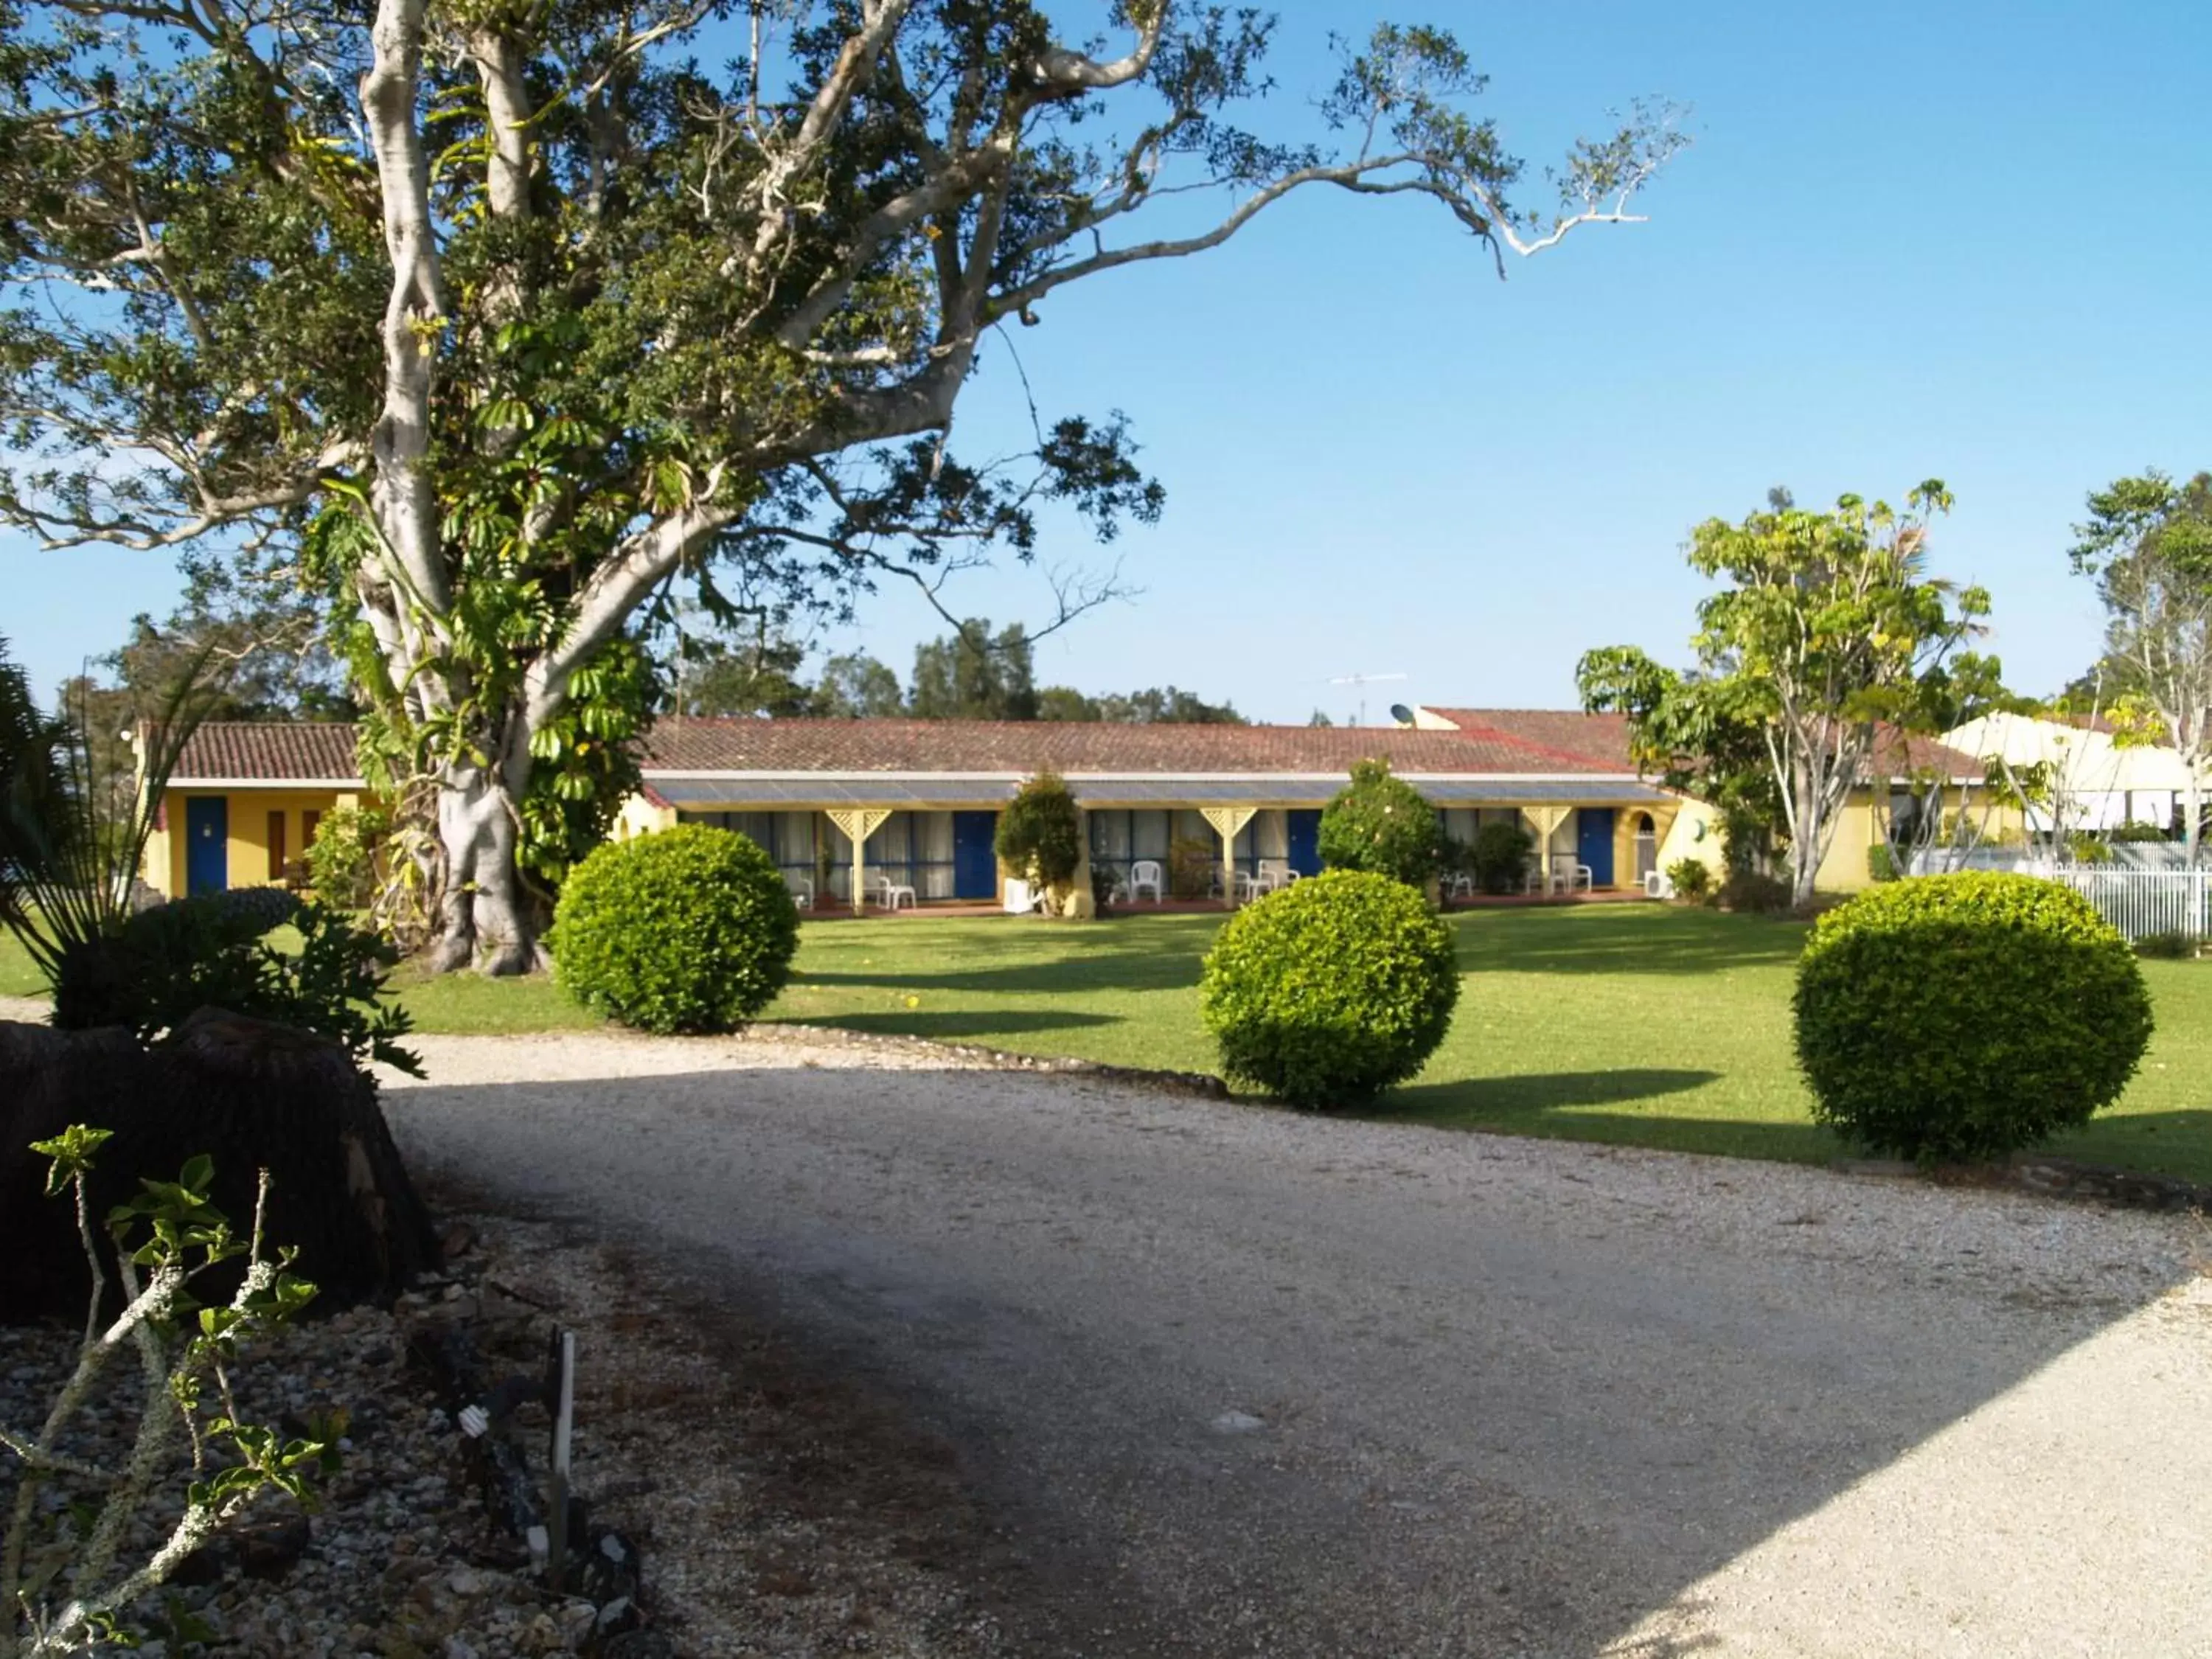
<point x="1964" y="241"/>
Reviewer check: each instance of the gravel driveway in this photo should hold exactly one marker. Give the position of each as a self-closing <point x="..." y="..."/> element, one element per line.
<point x="1240" y="1381"/>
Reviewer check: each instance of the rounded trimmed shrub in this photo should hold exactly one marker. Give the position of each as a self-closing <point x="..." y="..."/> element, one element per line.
<point x="1331" y="989"/>
<point x="1963" y="1016"/>
<point x="691" y="929"/>
<point x="1379" y="821"/>
<point x="1040" y="831"/>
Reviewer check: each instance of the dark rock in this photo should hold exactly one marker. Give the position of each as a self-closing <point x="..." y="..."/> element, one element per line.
<point x="638" y="1644"/>
<point x="268" y="1549"/>
<point x="249" y="1094"/>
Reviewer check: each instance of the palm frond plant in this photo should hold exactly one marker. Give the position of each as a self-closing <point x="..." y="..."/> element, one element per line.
<point x="70" y="847"/>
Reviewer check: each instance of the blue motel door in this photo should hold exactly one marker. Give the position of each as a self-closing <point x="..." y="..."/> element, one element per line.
<point x="975" y="860"/>
<point x="1593" y="843"/>
<point x="207" y="844"/>
<point x="1302" y="830"/>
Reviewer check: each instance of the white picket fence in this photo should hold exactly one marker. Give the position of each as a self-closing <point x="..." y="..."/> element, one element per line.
<point x="2140" y="902"/>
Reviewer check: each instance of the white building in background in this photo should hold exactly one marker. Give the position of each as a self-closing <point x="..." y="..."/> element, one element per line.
<point x="2103" y="784"/>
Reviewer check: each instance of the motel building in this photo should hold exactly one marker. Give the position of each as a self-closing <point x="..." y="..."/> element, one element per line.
<point x="892" y="814"/>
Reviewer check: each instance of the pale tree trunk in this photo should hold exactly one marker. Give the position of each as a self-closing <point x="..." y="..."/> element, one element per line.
<point x="1808" y="847"/>
<point x="484" y="920"/>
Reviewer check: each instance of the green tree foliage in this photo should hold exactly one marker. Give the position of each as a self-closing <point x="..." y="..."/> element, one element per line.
<point x="689" y="930"/>
<point x="2148" y="544"/>
<point x="213" y="951"/>
<point x="1160" y="705"/>
<point x="514" y="317"/>
<point x="1500" y="857"/>
<point x="1382" y="823"/>
<point x="858" y="688"/>
<point x="342" y="858"/>
<point x="757" y="675"/>
<point x="973" y="674"/>
<point x="1041" y="831"/>
<point x="1967" y="1016"/>
<point x="1331" y="990"/>
<point x="1827" y="631"/>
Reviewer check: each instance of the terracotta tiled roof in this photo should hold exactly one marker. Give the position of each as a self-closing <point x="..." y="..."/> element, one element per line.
<point x="271" y="750"/>
<point x="1604" y="739"/>
<point x="1599" y="738"/>
<point x="1923" y="754"/>
<point x="786" y="746"/>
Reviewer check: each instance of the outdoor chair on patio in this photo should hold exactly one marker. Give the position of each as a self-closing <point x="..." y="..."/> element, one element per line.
<point x="1570" y="879"/>
<point x="802" y="890"/>
<point x="1146" y="873"/>
<point x="1275" y="875"/>
<point x="890" y="894"/>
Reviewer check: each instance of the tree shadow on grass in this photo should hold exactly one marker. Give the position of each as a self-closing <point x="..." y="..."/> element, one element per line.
<point x="1555" y="1105"/>
<point x="958" y="1026"/>
<point x="1619" y="938"/>
<point x="1170" y="969"/>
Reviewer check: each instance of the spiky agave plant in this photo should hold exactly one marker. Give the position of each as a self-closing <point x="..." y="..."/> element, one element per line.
<point x="70" y="848"/>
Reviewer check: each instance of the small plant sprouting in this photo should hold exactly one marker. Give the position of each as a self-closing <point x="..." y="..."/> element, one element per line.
<point x="164" y="1240"/>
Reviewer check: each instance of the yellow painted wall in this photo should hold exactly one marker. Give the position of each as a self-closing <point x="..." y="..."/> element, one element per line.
<point x="1862" y="825"/>
<point x="1694" y="833"/>
<point x="640" y="817"/>
<point x="247" y="847"/>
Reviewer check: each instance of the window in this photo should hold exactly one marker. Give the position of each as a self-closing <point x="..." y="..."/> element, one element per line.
<point x="787" y="837"/>
<point x="275" y="846"/>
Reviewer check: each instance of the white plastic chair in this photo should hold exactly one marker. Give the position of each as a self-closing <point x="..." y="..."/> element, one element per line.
<point x="802" y="890"/>
<point x="1146" y="873"/>
<point x="889" y="893"/>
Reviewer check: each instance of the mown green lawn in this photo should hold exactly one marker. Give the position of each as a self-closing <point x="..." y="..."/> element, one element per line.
<point x="1641" y="1024"/>
<point x="1632" y="1024"/>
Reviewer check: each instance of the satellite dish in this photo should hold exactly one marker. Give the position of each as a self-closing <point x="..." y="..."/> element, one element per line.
<point x="1400" y="713"/>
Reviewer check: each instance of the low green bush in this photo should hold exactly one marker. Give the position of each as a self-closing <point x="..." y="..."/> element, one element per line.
<point x="1691" y="878"/>
<point x="1963" y="1016"/>
<point x="1040" y="835"/>
<point x="2136" y="832"/>
<point x="1754" y="893"/>
<point x="1381" y="823"/>
<point x="1331" y="989"/>
<point x="1192" y="862"/>
<point x="340" y="860"/>
<point x="1502" y="852"/>
<point x="214" y="951"/>
<point x="692" y="929"/>
<point x="2167" y="947"/>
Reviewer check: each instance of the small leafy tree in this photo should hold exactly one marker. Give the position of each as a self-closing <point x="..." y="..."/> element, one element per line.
<point x="164" y="1241"/>
<point x="2147" y="543"/>
<point x="1040" y="832"/>
<point x="1826" y="633"/>
<point x="1502" y="852"/>
<point x="342" y="858"/>
<point x="1382" y="823"/>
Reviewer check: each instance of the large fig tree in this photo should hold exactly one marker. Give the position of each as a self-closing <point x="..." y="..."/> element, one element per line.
<point x="506" y="316"/>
